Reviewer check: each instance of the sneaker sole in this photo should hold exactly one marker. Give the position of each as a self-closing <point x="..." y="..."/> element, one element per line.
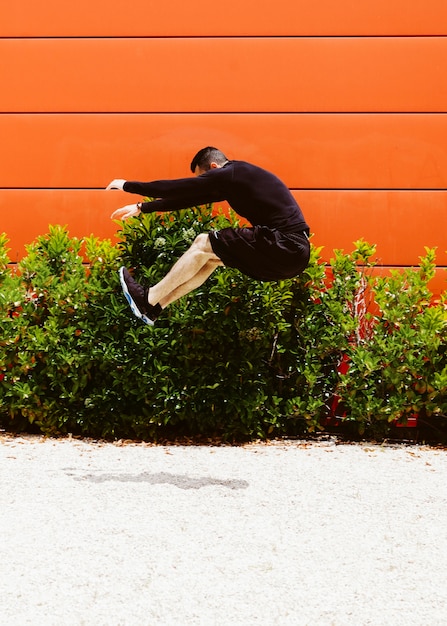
<point x="135" y="310"/>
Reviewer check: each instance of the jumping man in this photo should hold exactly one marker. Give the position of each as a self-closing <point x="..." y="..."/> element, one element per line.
<point x="274" y="247"/>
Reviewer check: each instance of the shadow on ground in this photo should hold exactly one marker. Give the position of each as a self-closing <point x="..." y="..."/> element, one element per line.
<point x="162" y="478"/>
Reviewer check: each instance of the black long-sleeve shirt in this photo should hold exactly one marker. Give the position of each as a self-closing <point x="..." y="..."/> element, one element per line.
<point x="254" y="193"/>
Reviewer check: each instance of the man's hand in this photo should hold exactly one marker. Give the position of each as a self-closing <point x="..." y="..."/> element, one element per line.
<point x="130" y="210"/>
<point x="117" y="183"/>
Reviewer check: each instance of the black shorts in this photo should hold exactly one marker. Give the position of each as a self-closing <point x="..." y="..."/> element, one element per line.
<point x="262" y="253"/>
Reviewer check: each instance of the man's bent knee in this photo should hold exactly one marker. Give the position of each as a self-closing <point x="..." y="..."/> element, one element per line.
<point x="202" y="243"/>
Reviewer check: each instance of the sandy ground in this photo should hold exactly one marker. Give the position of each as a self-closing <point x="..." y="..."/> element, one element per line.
<point x="289" y="533"/>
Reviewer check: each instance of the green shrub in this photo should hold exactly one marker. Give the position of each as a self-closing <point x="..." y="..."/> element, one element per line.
<point x="237" y="358"/>
<point x="50" y="327"/>
<point x="400" y="369"/>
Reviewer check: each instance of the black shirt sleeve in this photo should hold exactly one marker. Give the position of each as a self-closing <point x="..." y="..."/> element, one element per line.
<point x="181" y="193"/>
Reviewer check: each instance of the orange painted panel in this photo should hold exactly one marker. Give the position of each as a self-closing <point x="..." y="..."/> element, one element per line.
<point x="307" y="151"/>
<point x="402" y="74"/>
<point x="25" y="18"/>
<point x="399" y="223"/>
<point x="27" y="213"/>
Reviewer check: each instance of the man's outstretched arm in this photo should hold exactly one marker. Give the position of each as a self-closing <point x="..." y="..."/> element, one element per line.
<point x="172" y="195"/>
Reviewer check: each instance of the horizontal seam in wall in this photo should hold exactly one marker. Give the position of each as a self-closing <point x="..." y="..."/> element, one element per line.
<point x="217" y="113"/>
<point x="297" y="189"/>
<point x="166" y="37"/>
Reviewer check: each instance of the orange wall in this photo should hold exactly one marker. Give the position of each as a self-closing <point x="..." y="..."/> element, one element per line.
<point x="346" y="101"/>
<point x="147" y="18"/>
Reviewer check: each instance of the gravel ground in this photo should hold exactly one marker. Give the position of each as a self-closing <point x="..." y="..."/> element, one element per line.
<point x="267" y="534"/>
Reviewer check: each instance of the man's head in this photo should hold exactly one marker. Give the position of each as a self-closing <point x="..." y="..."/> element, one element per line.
<point x="207" y="159"/>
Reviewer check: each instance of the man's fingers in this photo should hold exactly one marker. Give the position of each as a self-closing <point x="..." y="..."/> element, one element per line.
<point x="124" y="212"/>
<point x="120" y="214"/>
<point x="116" y="215"/>
<point x="117" y="183"/>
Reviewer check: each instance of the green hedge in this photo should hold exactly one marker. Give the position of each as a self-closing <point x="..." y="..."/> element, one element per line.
<point x="238" y="359"/>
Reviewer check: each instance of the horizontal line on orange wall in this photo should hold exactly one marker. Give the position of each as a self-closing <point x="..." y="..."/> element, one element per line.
<point x="226" y="113"/>
<point x="294" y="189"/>
<point x="105" y="37"/>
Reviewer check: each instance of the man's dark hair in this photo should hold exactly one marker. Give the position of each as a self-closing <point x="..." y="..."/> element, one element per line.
<point x="205" y="157"/>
